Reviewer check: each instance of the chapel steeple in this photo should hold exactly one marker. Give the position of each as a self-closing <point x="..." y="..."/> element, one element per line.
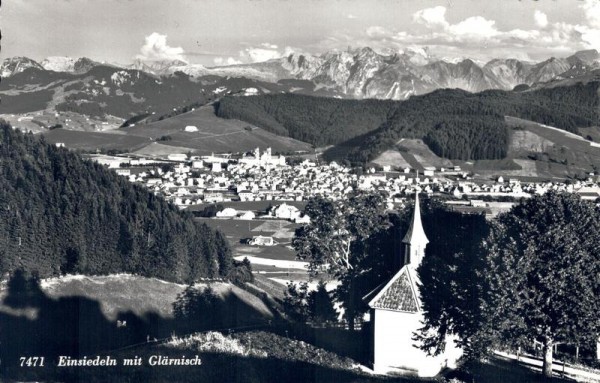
<point x="415" y="239"/>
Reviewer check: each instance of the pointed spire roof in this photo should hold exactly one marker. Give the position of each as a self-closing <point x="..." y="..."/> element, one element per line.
<point x="415" y="233"/>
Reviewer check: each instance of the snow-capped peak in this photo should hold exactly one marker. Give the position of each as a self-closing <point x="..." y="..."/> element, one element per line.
<point x="59" y="64"/>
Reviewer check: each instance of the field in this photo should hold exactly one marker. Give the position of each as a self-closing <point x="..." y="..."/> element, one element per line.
<point x="156" y="149"/>
<point x="413" y="153"/>
<point x="591" y="133"/>
<point x="122" y="293"/>
<point x="40" y="121"/>
<point x="258" y="207"/>
<point x="536" y="152"/>
<point x="391" y="158"/>
<point x="571" y="154"/>
<point x="214" y="135"/>
<point x="525" y="141"/>
<point x="277" y="263"/>
<point x="91" y="141"/>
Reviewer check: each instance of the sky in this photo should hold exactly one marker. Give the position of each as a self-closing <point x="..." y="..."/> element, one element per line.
<point x="222" y="32"/>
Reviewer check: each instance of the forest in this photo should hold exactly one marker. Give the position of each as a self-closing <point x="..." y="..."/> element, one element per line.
<point x="454" y="123"/>
<point x="61" y="214"/>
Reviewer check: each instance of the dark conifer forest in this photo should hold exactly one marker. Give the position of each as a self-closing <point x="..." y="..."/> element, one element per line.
<point x="454" y="123"/>
<point x="62" y="214"/>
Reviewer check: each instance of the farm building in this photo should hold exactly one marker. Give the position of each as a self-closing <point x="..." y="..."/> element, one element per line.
<point x="396" y="313"/>
<point x="304" y="219"/>
<point x="197" y="164"/>
<point x="260" y="240"/>
<point x="177" y="157"/>
<point x="285" y="211"/>
<point x="590" y="193"/>
<point x="247" y="216"/>
<point x="228" y="212"/>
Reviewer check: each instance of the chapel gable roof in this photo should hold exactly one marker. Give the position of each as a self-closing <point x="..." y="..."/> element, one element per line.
<point x="399" y="294"/>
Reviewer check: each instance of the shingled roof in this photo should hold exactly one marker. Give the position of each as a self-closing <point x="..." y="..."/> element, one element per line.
<point x="399" y="294"/>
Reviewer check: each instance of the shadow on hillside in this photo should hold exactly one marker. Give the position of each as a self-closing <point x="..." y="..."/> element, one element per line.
<point x="76" y="326"/>
<point x="340" y="151"/>
<point x="354" y="345"/>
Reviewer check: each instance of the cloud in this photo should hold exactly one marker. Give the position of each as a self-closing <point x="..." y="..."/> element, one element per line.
<point x="540" y="18"/>
<point x="221" y="61"/>
<point x="265" y="52"/>
<point x="590" y="34"/>
<point x="260" y="54"/>
<point x="476" y="26"/>
<point x="268" y="46"/>
<point x="591" y="9"/>
<point x="431" y="17"/>
<point x="155" y="48"/>
<point x="480" y="38"/>
<point x="377" y="31"/>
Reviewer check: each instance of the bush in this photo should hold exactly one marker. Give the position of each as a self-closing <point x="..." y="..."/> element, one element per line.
<point x="216" y="342"/>
<point x="197" y="307"/>
<point x="303" y="305"/>
<point x="241" y="272"/>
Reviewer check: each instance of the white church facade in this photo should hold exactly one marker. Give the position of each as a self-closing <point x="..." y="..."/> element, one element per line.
<point x="396" y="314"/>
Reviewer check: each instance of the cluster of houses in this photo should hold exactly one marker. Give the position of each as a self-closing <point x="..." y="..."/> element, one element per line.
<point x="282" y="211"/>
<point x="260" y="176"/>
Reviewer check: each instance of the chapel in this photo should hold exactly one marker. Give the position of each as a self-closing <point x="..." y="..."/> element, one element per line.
<point x="396" y="314"/>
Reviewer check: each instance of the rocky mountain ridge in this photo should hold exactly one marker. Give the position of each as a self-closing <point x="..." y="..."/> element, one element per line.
<point x="358" y="73"/>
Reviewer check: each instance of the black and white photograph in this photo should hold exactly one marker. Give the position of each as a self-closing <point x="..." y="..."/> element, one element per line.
<point x="304" y="191"/>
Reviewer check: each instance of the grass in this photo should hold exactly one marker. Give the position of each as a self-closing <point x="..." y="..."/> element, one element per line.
<point x="593" y="132"/>
<point x="215" y="135"/>
<point x="525" y="141"/>
<point x="156" y="149"/>
<point x="391" y="157"/>
<point x="91" y="141"/>
<point x="506" y="164"/>
<point x="422" y="154"/>
<point x="255" y="206"/>
<point x="27" y="101"/>
<point x="237" y="230"/>
<point x="561" y="154"/>
<point x="140" y="295"/>
<point x="575" y="152"/>
<point x="277" y="351"/>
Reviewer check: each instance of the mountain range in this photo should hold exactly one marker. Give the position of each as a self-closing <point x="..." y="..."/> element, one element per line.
<point x="358" y="73"/>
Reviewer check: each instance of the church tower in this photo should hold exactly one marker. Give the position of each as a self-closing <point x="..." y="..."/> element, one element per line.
<point x="415" y="239"/>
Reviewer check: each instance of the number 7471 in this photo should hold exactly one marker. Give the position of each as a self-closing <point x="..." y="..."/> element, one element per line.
<point x="32" y="361"/>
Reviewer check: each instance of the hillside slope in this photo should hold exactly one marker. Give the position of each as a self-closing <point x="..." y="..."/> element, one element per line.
<point x="454" y="124"/>
<point x="214" y="134"/>
<point x="62" y="214"/>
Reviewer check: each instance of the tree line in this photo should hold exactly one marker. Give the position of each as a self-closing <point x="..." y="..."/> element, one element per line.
<point x="454" y="123"/>
<point x="62" y="214"/>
